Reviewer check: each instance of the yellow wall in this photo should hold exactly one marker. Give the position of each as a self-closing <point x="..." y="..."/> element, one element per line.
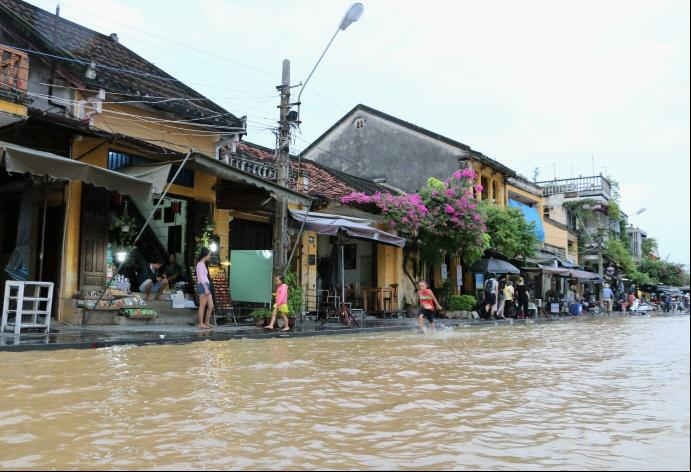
<point x="69" y="275"/>
<point x="308" y="273"/>
<point x="492" y="176"/>
<point x="390" y="268"/>
<point x="86" y="149"/>
<point x="114" y="119"/>
<point x="13" y="108"/>
<point x="222" y="220"/>
<point x="572" y="252"/>
<point x="536" y="199"/>
<point x="555" y="236"/>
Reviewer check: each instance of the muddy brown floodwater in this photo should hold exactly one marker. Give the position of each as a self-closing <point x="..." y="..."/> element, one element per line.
<point x="610" y="393"/>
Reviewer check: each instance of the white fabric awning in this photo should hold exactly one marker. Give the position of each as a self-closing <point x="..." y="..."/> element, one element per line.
<point x="24" y="160"/>
<point x="156" y="175"/>
<point x="331" y="225"/>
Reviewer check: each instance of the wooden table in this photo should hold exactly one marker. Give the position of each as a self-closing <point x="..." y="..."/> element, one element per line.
<point x="380" y="293"/>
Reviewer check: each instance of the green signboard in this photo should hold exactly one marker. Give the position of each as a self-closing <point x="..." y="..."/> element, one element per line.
<point x="250" y="276"/>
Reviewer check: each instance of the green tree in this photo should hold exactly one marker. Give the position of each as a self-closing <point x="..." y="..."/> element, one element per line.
<point x="509" y="232"/>
<point x="649" y="248"/>
<point x="664" y="272"/>
<point x="619" y="253"/>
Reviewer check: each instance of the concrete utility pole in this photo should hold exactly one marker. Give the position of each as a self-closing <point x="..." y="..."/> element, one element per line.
<point x="282" y="168"/>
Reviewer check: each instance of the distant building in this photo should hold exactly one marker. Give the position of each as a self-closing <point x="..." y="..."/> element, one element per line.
<point x="583" y="206"/>
<point x="636" y="237"/>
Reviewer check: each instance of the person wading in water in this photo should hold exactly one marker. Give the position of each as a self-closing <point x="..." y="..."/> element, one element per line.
<point x="428" y="305"/>
<point x="281" y="305"/>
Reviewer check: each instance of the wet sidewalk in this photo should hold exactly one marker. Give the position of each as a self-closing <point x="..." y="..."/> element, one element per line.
<point x="91" y="337"/>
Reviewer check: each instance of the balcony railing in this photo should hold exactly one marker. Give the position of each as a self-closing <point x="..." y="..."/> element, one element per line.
<point x="594" y="185"/>
<point x="268" y="171"/>
<point x="14" y="71"/>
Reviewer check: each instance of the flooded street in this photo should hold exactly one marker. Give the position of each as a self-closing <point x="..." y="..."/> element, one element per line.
<point x="610" y="393"/>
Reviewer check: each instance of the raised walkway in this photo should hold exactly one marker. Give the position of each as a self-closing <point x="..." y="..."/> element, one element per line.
<point x="90" y="337"/>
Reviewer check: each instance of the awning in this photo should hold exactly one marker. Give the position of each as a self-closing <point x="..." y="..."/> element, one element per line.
<point x="584" y="275"/>
<point x="559" y="271"/>
<point x="225" y="172"/>
<point x="569" y="272"/>
<point x="531" y="215"/>
<point x="156" y="175"/>
<point x="330" y="226"/>
<point x="24" y="160"/>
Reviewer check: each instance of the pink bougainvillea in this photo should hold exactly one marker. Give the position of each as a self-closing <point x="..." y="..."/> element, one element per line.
<point x="443" y="215"/>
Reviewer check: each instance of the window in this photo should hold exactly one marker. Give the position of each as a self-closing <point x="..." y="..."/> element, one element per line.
<point x="174" y="239"/>
<point x="359" y="123"/>
<point x="185" y="177"/>
<point x="545" y="212"/>
<point x="118" y="160"/>
<point x="350" y="256"/>
<point x="485" y="188"/>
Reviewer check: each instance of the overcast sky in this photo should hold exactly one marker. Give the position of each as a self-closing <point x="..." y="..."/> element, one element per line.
<point x="566" y="88"/>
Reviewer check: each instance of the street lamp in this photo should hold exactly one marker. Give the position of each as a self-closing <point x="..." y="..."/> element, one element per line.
<point x="352" y="15"/>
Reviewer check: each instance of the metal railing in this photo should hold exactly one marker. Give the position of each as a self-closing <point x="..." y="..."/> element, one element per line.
<point x="592" y="185"/>
<point x="268" y="171"/>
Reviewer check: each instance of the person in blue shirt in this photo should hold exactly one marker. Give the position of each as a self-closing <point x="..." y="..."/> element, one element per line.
<point x="607" y="298"/>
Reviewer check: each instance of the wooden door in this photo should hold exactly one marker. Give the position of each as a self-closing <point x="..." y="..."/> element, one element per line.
<point x="94" y="238"/>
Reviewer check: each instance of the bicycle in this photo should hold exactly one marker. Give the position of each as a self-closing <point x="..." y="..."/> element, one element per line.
<point x="346" y="317"/>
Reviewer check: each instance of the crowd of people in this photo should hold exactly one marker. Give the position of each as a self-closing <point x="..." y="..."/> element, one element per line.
<point x="501" y="299"/>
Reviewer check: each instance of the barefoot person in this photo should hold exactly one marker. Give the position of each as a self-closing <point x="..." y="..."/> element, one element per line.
<point x="152" y="280"/>
<point x="281" y="305"/>
<point x="206" y="303"/>
<point x="428" y="305"/>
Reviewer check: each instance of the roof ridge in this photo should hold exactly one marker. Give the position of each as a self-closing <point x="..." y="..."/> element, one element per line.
<point x="19" y="10"/>
<point x="419" y="129"/>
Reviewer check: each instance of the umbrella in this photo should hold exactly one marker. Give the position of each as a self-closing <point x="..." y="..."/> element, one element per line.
<point x="494" y="266"/>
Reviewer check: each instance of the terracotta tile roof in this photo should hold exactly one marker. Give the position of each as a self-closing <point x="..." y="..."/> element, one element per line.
<point x="49" y="33"/>
<point x="322" y="181"/>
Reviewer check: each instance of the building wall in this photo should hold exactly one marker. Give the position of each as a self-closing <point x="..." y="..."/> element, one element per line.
<point x="495" y="183"/>
<point x="536" y="200"/>
<point x="384" y="149"/>
<point x="178" y="137"/>
<point x="85" y="148"/>
<point x="69" y="273"/>
<point x="555" y="235"/>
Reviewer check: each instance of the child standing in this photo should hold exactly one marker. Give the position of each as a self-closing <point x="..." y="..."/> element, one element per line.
<point x="281" y="305"/>
<point x="428" y="305"/>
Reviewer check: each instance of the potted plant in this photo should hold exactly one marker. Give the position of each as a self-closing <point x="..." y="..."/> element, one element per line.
<point x="410" y="308"/>
<point x="461" y="305"/>
<point x="260" y="316"/>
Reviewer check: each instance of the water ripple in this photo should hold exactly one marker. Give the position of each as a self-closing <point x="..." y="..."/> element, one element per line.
<point x="595" y="394"/>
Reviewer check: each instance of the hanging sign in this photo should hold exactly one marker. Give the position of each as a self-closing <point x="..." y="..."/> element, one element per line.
<point x="459" y="275"/>
<point x="444" y="272"/>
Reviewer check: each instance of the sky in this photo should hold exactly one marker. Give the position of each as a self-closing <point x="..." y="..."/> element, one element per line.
<point x="554" y="87"/>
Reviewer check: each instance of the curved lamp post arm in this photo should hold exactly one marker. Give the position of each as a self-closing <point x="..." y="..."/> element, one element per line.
<point x="352" y="15"/>
<point x="317" y="64"/>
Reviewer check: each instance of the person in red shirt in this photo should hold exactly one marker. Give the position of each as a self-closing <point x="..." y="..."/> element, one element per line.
<point x="428" y="305"/>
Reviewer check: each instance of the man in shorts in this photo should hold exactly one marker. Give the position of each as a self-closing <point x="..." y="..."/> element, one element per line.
<point x="428" y="305"/>
<point x="491" y="289"/>
<point x="150" y="280"/>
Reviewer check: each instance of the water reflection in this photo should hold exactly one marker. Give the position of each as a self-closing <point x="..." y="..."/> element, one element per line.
<point x="610" y="393"/>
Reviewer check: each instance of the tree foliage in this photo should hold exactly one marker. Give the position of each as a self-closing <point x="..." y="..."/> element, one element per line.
<point x="619" y="253"/>
<point x="509" y="232"/>
<point x="664" y="272"/>
<point x="443" y="218"/>
<point x="649" y="248"/>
